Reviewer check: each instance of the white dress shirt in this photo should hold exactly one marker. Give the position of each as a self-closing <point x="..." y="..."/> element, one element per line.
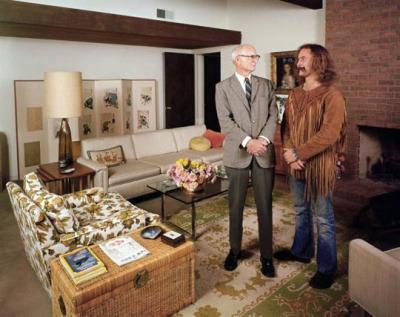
<point x="241" y="79"/>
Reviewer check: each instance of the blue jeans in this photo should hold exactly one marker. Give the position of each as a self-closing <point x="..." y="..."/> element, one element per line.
<point x="303" y="244"/>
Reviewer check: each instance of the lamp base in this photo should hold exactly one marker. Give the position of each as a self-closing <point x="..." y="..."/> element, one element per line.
<point x="64" y="164"/>
<point x="64" y="145"/>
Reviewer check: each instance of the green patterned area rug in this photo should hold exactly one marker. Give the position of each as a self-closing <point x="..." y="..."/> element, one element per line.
<point x="245" y="291"/>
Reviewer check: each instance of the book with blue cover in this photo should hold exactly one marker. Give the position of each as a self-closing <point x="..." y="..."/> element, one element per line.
<point x="81" y="260"/>
<point x="82" y="264"/>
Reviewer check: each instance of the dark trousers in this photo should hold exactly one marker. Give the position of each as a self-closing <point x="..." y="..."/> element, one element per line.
<point x="263" y="183"/>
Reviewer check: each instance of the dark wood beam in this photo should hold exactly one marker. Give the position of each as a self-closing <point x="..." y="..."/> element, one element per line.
<point x="22" y="19"/>
<point x="311" y="4"/>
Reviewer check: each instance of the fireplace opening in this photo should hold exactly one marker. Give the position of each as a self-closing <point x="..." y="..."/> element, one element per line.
<point x="379" y="157"/>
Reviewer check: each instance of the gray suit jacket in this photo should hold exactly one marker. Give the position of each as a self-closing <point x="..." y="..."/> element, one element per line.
<point x="237" y="120"/>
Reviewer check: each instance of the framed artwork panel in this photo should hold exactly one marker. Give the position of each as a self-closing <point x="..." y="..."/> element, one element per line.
<point x="283" y="71"/>
<point x="144" y="105"/>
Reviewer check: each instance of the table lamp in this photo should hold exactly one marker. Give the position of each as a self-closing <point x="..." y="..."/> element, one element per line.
<point x="63" y="99"/>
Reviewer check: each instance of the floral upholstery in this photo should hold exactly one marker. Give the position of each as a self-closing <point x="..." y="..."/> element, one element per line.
<point x="56" y="208"/>
<point x="99" y="216"/>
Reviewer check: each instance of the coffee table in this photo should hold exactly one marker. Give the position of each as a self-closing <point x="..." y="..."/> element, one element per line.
<point x="158" y="284"/>
<point x="168" y="188"/>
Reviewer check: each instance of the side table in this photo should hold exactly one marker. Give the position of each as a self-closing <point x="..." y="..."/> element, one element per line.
<point x="82" y="177"/>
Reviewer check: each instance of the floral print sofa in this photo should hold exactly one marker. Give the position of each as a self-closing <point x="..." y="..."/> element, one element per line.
<point x="51" y="225"/>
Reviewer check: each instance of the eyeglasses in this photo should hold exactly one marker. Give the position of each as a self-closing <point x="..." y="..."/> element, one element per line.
<point x="256" y="57"/>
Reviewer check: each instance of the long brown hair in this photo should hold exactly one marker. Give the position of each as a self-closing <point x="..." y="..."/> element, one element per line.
<point x="322" y="63"/>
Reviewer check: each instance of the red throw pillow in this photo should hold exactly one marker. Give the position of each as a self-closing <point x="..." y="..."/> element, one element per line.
<point x="216" y="138"/>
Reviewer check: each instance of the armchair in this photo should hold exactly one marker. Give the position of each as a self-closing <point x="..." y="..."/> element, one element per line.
<point x="374" y="278"/>
<point x="51" y="225"/>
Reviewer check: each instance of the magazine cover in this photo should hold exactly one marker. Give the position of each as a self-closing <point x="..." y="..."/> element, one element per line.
<point x="123" y="250"/>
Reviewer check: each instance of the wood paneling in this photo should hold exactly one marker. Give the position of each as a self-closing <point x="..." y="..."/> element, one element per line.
<point x="20" y="19"/>
<point x="311" y="4"/>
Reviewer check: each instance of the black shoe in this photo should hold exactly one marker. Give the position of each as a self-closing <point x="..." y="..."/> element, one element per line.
<point x="267" y="267"/>
<point x="321" y="280"/>
<point x="286" y="255"/>
<point x="231" y="261"/>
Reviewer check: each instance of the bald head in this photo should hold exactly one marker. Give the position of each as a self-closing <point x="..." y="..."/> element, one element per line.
<point x="240" y="49"/>
<point x="245" y="59"/>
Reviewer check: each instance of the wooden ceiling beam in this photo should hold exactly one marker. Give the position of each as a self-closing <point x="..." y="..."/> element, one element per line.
<point x="21" y="19"/>
<point x="310" y="4"/>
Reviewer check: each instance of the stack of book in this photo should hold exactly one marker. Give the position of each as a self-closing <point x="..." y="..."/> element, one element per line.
<point x="82" y="265"/>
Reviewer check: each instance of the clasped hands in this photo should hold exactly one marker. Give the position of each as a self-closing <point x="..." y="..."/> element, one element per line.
<point x="257" y="146"/>
<point x="291" y="159"/>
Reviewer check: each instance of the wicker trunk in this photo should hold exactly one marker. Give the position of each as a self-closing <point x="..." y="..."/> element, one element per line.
<point x="157" y="285"/>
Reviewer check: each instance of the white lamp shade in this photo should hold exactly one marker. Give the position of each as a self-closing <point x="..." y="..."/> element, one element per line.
<point x="63" y="94"/>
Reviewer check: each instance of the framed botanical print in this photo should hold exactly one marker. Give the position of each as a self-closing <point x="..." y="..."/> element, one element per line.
<point x="283" y="71"/>
<point x="144" y="105"/>
<point x="31" y="127"/>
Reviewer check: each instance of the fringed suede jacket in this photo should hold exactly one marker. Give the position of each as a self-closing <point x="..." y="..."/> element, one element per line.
<point x="313" y="126"/>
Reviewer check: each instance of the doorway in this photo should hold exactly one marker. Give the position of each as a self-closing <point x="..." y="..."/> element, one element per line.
<point x="179" y="89"/>
<point x="212" y="76"/>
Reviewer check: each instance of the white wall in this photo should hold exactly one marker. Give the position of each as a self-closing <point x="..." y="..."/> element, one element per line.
<point x="270" y="25"/>
<point x="28" y="59"/>
<point x="197" y="12"/>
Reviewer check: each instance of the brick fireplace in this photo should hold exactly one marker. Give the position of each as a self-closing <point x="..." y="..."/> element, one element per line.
<point x="363" y="38"/>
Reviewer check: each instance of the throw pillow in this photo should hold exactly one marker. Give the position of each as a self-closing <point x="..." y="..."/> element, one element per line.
<point x="216" y="138"/>
<point x="110" y="157"/>
<point x="199" y="143"/>
<point x="57" y="210"/>
<point x="31" y="183"/>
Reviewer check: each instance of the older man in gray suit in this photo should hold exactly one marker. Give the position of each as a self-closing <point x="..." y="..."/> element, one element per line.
<point x="247" y="114"/>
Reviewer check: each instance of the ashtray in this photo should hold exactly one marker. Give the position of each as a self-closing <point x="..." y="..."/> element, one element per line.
<point x="151" y="232"/>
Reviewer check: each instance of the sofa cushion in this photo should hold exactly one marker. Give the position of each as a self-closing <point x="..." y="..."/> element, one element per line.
<point x="122" y="221"/>
<point x="212" y="155"/>
<point x="113" y="156"/>
<point x="183" y="135"/>
<point x="131" y="171"/>
<point x="84" y="197"/>
<point x="93" y="212"/>
<point x="164" y="161"/>
<point x="153" y="143"/>
<point x="199" y="143"/>
<point x="216" y="138"/>
<point x="107" y="142"/>
<point x="57" y="210"/>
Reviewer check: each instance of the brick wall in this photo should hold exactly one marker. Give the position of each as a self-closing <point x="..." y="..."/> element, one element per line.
<point x="363" y="37"/>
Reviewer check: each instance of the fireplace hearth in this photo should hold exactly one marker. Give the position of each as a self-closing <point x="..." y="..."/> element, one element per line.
<point x="379" y="156"/>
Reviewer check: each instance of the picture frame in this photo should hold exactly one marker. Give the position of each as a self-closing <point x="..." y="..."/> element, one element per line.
<point x="283" y="71"/>
<point x="32" y="129"/>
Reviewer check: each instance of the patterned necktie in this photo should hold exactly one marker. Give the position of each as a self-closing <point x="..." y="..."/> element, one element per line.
<point x="247" y="85"/>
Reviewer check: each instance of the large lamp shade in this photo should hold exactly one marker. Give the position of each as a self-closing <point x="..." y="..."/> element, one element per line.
<point x="63" y="94"/>
<point x="63" y="99"/>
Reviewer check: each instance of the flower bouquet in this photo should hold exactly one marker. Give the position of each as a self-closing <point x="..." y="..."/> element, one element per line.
<point x="192" y="175"/>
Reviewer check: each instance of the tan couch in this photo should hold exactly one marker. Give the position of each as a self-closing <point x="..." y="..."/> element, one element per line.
<point x="374" y="278"/>
<point x="148" y="156"/>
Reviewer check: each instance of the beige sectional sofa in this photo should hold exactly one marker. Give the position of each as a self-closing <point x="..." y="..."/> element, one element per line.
<point x="148" y="156"/>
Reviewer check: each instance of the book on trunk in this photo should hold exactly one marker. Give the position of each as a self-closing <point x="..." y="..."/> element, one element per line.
<point x="82" y="265"/>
